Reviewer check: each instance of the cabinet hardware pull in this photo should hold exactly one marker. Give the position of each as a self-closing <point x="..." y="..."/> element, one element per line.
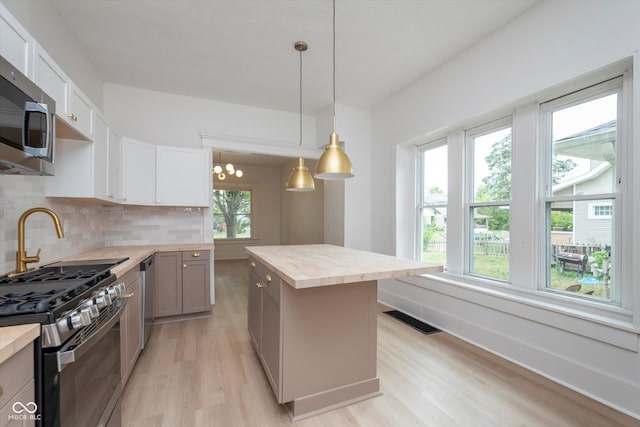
<point x="111" y="196"/>
<point x="268" y="278"/>
<point x="253" y="264"/>
<point x="184" y="265"/>
<point x="124" y="199"/>
<point x="195" y="254"/>
<point x="73" y="117"/>
<point x="258" y="284"/>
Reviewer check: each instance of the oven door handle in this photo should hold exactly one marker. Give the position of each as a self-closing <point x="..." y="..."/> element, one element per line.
<point x="70" y="356"/>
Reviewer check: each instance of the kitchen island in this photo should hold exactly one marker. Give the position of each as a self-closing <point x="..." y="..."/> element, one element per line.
<point x="312" y="321"/>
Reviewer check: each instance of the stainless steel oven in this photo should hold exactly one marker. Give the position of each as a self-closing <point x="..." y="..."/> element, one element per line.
<point x="82" y="378"/>
<point x="77" y="357"/>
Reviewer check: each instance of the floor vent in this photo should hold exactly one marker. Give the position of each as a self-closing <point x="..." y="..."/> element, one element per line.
<point x="413" y="322"/>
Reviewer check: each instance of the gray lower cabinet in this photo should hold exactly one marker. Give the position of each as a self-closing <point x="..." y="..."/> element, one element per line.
<point x="317" y="345"/>
<point x="182" y="283"/>
<point x="16" y="385"/>
<point x="130" y="324"/>
<point x="264" y="323"/>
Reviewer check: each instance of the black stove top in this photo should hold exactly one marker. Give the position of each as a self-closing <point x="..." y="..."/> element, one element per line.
<point x="51" y="290"/>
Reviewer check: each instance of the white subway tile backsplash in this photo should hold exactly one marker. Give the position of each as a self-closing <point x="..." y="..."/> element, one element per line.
<point x="87" y="224"/>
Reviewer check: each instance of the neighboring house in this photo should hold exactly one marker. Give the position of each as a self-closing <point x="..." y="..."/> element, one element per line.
<point x="592" y="220"/>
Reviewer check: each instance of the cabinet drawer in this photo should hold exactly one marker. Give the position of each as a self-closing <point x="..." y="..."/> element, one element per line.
<point x="194" y="255"/>
<point x="268" y="278"/>
<point x="15" y="373"/>
<point x="24" y="396"/>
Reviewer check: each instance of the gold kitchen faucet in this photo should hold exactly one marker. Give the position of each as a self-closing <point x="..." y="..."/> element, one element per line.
<point x="22" y="259"/>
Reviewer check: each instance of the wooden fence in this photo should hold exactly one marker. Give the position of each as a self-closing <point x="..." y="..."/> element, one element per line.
<point x="500" y="248"/>
<point x="495" y="248"/>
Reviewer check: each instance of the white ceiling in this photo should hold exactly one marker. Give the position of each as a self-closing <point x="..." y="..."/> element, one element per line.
<point x="241" y="51"/>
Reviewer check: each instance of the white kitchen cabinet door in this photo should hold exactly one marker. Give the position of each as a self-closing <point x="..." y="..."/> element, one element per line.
<point x="74" y="170"/>
<point x="183" y="176"/>
<point x="74" y="112"/>
<point x="16" y="44"/>
<point x="101" y="158"/>
<point x="138" y="172"/>
<point x="80" y="111"/>
<point x="50" y="77"/>
<point x="114" y="165"/>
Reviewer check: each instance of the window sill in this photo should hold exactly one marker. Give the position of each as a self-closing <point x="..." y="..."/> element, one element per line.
<point x="235" y="241"/>
<point x="606" y="323"/>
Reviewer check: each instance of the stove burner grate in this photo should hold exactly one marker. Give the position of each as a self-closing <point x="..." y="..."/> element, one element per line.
<point x="34" y="301"/>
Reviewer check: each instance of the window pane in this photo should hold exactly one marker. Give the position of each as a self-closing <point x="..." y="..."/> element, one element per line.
<point x="232" y="214"/>
<point x="434" y="163"/>
<point x="584" y="142"/>
<point x="434" y="235"/>
<point x="492" y="166"/>
<point x="579" y="245"/>
<point x="490" y="244"/>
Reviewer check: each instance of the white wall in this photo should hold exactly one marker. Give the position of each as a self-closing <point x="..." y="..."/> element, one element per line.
<point x="167" y="119"/>
<point x="348" y="203"/>
<point x="551" y="43"/>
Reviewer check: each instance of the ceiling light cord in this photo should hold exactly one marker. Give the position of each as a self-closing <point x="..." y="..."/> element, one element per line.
<point x="300" y="147"/>
<point x="334" y="67"/>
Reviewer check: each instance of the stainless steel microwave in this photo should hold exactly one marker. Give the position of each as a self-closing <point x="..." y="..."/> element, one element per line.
<point x="27" y="125"/>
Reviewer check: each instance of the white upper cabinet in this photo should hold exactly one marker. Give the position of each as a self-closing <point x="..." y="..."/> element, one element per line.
<point x="183" y="176"/>
<point x="73" y="109"/>
<point x="101" y="158"/>
<point x="80" y="111"/>
<point x="114" y="179"/>
<point x="138" y="172"/>
<point x="74" y="170"/>
<point x="16" y="44"/>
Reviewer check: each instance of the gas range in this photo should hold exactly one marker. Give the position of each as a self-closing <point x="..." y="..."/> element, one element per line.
<point x="78" y="305"/>
<point x="63" y="297"/>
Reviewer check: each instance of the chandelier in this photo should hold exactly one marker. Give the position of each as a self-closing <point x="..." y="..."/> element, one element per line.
<point x="229" y="169"/>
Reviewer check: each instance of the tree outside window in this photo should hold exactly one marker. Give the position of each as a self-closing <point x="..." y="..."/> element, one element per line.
<point x="232" y="213"/>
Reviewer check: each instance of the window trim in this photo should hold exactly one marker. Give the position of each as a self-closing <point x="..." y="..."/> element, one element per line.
<point x="469" y="192"/>
<point x="620" y="83"/>
<point x="421" y="204"/>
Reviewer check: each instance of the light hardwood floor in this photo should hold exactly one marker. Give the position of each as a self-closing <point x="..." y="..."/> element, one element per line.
<point x="204" y="372"/>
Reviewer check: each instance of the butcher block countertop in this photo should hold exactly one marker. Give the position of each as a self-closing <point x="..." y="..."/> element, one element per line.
<point x="308" y="266"/>
<point x="136" y="254"/>
<point x="15" y="338"/>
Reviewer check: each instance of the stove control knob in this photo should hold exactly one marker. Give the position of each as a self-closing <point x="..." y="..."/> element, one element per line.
<point x="115" y="291"/>
<point x="74" y="321"/>
<point x="100" y="301"/>
<point x="92" y="310"/>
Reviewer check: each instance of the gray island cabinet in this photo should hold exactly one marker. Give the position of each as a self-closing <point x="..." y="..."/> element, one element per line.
<point x="312" y="321"/>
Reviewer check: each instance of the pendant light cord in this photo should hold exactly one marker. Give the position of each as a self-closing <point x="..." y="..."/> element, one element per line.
<point x="334" y="66"/>
<point x="300" y="148"/>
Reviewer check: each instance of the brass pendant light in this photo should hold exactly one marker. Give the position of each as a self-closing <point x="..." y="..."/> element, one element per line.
<point x="334" y="162"/>
<point x="300" y="179"/>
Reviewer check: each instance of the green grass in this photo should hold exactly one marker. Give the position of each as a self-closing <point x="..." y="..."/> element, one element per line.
<point x="498" y="267"/>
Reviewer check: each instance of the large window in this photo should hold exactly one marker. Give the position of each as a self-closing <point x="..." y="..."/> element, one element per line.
<point x="489" y="196"/>
<point x="432" y="203"/>
<point x="538" y="203"/>
<point x="232" y="213"/>
<point x="581" y="200"/>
